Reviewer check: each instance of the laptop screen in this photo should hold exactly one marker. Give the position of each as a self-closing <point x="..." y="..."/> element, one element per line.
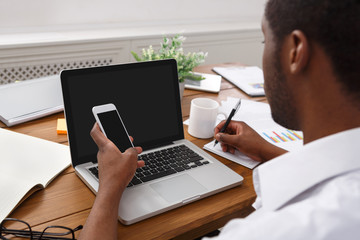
<point x="146" y="95"/>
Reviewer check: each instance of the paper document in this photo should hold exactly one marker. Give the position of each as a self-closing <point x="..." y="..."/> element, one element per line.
<point x="248" y="79"/>
<point x="258" y="116"/>
<point x="238" y="157"/>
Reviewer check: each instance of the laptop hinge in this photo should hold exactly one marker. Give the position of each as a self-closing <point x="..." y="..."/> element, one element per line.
<point x="158" y="145"/>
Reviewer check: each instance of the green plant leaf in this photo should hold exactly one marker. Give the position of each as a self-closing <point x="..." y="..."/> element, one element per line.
<point x="194" y="77"/>
<point x="136" y="56"/>
<point x="171" y="48"/>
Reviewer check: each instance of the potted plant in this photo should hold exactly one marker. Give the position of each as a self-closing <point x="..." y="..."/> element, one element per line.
<point x="172" y="48"/>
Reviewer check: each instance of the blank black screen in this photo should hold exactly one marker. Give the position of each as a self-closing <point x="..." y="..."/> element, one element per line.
<point x="146" y="96"/>
<point x="115" y="130"/>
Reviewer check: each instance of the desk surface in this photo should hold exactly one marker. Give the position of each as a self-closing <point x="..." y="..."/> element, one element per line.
<point x="67" y="201"/>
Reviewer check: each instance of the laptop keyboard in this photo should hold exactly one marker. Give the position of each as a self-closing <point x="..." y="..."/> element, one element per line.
<point x="162" y="163"/>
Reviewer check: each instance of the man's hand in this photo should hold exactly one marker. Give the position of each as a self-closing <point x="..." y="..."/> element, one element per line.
<point x="238" y="135"/>
<point x="116" y="169"/>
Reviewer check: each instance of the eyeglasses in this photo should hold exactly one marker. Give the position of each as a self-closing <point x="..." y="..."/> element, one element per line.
<point x="50" y="232"/>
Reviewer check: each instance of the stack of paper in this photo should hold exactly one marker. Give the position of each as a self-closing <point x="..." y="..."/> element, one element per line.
<point x="258" y="116"/>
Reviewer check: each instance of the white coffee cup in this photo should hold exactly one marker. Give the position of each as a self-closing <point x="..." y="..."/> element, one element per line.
<point x="203" y="114"/>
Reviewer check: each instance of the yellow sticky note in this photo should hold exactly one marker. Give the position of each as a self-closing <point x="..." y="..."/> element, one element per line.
<point x="61" y="126"/>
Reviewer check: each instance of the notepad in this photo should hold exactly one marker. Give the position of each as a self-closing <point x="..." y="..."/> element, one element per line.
<point x="248" y="79"/>
<point x="237" y="157"/>
<point x="61" y="126"/>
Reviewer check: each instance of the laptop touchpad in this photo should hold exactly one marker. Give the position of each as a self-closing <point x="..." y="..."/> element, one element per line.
<point x="178" y="188"/>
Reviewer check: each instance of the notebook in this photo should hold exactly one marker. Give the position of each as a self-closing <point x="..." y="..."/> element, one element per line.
<point x="146" y="95"/>
<point x="28" y="164"/>
<point x="248" y="79"/>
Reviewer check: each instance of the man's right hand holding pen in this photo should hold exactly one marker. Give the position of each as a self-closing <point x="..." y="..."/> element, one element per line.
<point x="238" y="135"/>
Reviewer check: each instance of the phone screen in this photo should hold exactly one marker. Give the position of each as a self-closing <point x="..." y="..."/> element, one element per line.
<point x="114" y="129"/>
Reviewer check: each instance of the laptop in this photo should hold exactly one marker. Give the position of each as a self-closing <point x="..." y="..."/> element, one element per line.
<point x="146" y="94"/>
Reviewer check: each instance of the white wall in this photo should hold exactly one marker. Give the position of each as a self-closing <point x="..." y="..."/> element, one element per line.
<point x="17" y="15"/>
<point x="49" y="34"/>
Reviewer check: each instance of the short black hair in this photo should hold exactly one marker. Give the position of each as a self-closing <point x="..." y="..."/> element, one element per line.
<point x="333" y="24"/>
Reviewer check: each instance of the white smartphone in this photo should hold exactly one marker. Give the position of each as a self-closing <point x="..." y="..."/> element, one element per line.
<point x="111" y="124"/>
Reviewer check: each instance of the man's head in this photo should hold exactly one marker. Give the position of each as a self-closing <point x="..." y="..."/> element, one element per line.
<point x="334" y="25"/>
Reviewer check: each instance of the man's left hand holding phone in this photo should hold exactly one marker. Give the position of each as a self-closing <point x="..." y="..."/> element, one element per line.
<point x="117" y="166"/>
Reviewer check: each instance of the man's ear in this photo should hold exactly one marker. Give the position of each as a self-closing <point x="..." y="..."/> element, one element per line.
<point x="299" y="51"/>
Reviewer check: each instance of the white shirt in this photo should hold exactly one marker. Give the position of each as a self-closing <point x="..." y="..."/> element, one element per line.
<point x="312" y="193"/>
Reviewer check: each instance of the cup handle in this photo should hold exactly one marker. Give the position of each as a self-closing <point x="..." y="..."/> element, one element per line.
<point x="222" y="113"/>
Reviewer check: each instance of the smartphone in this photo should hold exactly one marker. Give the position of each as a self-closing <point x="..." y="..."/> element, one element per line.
<point x="111" y="124"/>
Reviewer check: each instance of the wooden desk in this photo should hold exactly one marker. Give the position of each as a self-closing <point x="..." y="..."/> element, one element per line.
<point x="67" y="201"/>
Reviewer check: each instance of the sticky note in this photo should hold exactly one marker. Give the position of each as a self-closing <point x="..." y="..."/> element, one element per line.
<point x="61" y="126"/>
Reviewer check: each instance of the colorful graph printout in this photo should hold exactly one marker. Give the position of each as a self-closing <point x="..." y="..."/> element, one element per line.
<point x="283" y="136"/>
<point x="257" y="85"/>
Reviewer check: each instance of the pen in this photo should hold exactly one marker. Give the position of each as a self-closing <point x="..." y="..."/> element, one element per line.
<point x="233" y="111"/>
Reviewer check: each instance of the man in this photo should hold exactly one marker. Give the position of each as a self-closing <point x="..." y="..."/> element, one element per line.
<point x="311" y="71"/>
